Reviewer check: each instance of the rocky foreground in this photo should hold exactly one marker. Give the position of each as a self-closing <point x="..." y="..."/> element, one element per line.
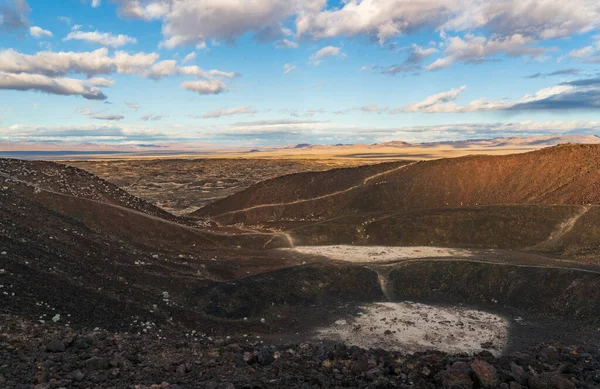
<point x="48" y="356"/>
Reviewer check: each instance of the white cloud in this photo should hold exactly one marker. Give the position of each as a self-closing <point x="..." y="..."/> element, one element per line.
<point x="219" y="73"/>
<point x="85" y="132"/>
<point x="99" y="62"/>
<point x="193" y="22"/>
<point x="418" y="53"/>
<point x="579" y="94"/>
<point x="88" y="63"/>
<point x="38" y="32"/>
<point x="473" y="48"/>
<point x="436" y="103"/>
<point x="589" y="54"/>
<point x="169" y="67"/>
<point x="96" y="3"/>
<point x="101" y="38"/>
<point x="205" y="87"/>
<point x="229" y="112"/>
<point x="583" y="52"/>
<point x="133" y="106"/>
<point x="286" y="44"/>
<point x="440" y="63"/>
<point x="188" y="58"/>
<point x="328" y="51"/>
<point x="163" y="69"/>
<point x="42" y="83"/>
<point x="385" y="19"/>
<point x="101" y="82"/>
<point x="288" y="68"/>
<point x="99" y="115"/>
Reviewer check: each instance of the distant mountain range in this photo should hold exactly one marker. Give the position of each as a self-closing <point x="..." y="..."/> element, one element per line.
<point x="387" y="150"/>
<point x="516" y="141"/>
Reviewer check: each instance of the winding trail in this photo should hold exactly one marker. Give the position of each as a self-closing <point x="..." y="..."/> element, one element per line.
<point x="562" y="229"/>
<point x="332" y="194"/>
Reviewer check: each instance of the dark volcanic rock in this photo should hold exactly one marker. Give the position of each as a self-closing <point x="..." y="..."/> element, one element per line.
<point x="485" y="374"/>
<point x="550" y="381"/>
<point x="56" y="346"/>
<point x="97" y="363"/>
<point x="456" y="377"/>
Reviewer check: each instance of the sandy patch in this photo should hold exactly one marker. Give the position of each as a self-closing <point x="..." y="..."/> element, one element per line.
<point x="412" y="327"/>
<point x="380" y="253"/>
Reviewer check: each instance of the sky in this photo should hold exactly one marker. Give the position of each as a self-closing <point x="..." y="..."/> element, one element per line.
<point x="282" y="72"/>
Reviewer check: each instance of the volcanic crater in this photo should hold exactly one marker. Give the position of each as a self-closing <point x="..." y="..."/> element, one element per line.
<point x="485" y="257"/>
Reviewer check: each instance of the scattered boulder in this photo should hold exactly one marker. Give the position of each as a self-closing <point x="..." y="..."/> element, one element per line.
<point x="484" y="373"/>
<point x="97" y="363"/>
<point x="550" y="381"/>
<point x="56" y="346"/>
<point x="456" y="377"/>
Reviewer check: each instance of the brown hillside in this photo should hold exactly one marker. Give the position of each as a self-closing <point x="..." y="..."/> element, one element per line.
<point x="54" y="200"/>
<point x="568" y="174"/>
<point x="71" y="181"/>
<point x="298" y="186"/>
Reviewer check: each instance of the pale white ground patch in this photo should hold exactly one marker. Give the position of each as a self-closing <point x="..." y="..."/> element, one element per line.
<point x="380" y="253"/>
<point x="412" y="327"/>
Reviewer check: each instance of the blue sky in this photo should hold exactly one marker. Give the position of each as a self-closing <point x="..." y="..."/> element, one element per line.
<point x="272" y="72"/>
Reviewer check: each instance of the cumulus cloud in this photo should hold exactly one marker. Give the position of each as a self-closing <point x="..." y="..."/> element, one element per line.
<point x="13" y="15"/>
<point x="169" y="67"/>
<point x="89" y="63"/>
<point x="99" y="62"/>
<point x="205" y="87"/>
<point x="189" y="58"/>
<point x="328" y="51"/>
<point x="418" y="54"/>
<point x="194" y="22"/>
<point x="286" y="44"/>
<point x="38" y="32"/>
<point x="385" y="19"/>
<point x="434" y="102"/>
<point x="229" y="112"/>
<point x="589" y="54"/>
<point x="473" y="48"/>
<point x="101" y="82"/>
<point x="42" y="83"/>
<point x="440" y="63"/>
<point x="101" y="38"/>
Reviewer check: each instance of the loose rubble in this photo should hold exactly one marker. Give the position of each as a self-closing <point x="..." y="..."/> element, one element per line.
<point x="44" y="356"/>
